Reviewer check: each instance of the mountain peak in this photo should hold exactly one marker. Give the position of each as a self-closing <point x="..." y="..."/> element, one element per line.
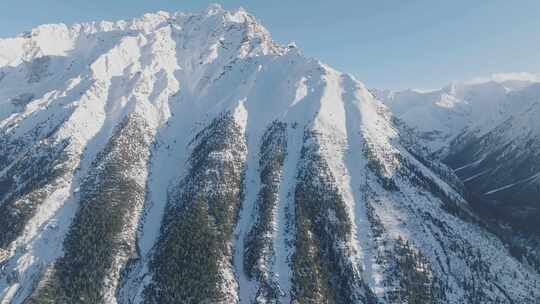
<point x="213" y="9"/>
<point x="237" y="27"/>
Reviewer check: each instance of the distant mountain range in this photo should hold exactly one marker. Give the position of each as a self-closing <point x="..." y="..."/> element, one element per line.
<point x="488" y="131"/>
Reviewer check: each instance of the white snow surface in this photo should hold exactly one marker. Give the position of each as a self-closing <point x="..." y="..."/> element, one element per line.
<point x="473" y="108"/>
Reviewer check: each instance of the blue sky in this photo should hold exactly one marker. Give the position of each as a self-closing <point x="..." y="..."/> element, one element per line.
<point x="385" y="43"/>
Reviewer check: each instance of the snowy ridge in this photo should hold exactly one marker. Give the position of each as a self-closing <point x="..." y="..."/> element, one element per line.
<point x="475" y="108"/>
<point x="486" y="130"/>
<point x="161" y="121"/>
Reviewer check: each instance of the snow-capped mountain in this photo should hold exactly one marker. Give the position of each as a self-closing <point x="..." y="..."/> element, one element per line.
<point x="476" y="107"/>
<point x="188" y="158"/>
<point x="488" y="131"/>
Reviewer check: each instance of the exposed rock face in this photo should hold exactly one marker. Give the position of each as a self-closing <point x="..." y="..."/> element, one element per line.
<point x="188" y="158"/>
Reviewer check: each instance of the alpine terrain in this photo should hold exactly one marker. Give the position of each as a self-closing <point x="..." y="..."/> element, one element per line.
<point x="488" y="131"/>
<point x="188" y="158"/>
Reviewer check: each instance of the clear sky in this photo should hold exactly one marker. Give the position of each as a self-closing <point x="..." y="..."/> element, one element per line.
<point x="393" y="44"/>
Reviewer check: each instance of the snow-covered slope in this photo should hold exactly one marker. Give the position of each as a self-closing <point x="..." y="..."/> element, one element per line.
<point x="488" y="131"/>
<point x="474" y="108"/>
<point x="188" y="158"/>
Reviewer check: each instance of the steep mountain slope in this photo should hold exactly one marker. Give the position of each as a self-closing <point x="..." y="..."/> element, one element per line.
<point x="187" y="158"/>
<point x="490" y="134"/>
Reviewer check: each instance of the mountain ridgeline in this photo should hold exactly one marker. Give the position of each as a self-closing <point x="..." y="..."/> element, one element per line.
<point x="488" y="132"/>
<point x="188" y="158"/>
